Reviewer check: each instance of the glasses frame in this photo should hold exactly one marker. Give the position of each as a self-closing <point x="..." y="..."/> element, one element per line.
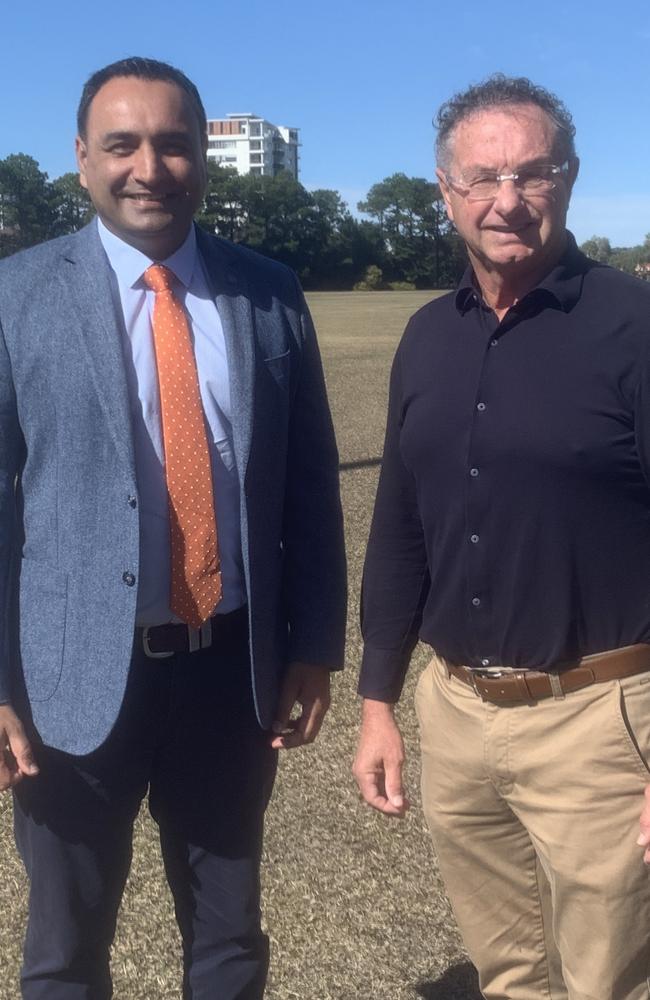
<point x="464" y="190"/>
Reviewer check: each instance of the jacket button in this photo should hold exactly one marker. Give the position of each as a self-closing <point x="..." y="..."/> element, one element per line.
<point x="132" y="502"/>
<point x="128" y="579"/>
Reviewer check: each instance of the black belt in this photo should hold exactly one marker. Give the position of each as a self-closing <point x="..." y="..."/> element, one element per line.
<point x="511" y="687"/>
<point x="160" y="641"/>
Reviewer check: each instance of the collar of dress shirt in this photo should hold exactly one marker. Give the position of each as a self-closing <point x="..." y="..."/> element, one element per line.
<point x="563" y="283"/>
<point x="130" y="264"/>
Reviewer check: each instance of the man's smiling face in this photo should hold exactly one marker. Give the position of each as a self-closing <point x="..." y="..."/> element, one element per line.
<point x="142" y="161"/>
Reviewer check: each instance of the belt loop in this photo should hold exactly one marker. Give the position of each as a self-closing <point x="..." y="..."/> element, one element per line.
<point x="206" y="633"/>
<point x="193" y="638"/>
<point x="556" y="686"/>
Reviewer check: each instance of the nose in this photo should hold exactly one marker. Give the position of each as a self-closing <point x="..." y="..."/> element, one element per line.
<point x="509" y="198"/>
<point x="147" y="164"/>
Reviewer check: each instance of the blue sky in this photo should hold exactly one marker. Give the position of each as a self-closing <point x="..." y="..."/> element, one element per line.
<point x="361" y="79"/>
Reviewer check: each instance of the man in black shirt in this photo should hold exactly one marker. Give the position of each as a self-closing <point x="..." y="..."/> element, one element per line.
<point x="512" y="534"/>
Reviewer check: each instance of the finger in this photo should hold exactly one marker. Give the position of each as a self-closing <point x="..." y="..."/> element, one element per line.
<point x="286" y="702"/>
<point x="22" y="751"/>
<point x="371" y="786"/>
<point x="283" y="733"/>
<point x="394" y="787"/>
<point x="311" y="720"/>
<point x="7" y="778"/>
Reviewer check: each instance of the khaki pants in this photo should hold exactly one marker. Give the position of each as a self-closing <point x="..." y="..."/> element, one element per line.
<point x="533" y="810"/>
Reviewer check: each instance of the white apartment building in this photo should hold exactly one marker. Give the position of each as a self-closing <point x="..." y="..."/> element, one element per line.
<point x="252" y="145"/>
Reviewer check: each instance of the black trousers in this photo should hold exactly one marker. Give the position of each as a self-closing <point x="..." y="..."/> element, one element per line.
<point x="187" y="736"/>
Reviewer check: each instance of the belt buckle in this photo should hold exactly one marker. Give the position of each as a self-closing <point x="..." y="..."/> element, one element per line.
<point x="472" y="680"/>
<point x="484" y="675"/>
<point x="147" y="648"/>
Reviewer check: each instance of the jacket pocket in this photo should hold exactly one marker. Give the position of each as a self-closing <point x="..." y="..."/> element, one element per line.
<point x="278" y="367"/>
<point x="43" y="598"/>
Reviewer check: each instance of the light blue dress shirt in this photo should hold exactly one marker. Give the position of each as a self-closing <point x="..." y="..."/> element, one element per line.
<point x="192" y="290"/>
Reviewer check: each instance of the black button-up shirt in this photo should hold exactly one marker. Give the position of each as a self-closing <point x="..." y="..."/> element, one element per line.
<point x="512" y="520"/>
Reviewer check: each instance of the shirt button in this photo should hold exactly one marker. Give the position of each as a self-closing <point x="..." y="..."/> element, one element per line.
<point x="473" y="473"/>
<point x="476" y="601"/>
<point x="473" y="539"/>
<point x="485" y="662"/>
<point x="128" y="579"/>
<point x="480" y="407"/>
<point x="132" y="502"/>
<point x="493" y="343"/>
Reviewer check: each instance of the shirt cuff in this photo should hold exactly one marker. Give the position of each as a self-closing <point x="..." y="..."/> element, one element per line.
<point x="382" y="673"/>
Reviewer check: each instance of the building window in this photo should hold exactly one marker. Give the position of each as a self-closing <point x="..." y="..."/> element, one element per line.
<point x="255" y="144"/>
<point x="256" y="170"/>
<point x="255" y="128"/>
<point x="256" y="157"/>
<point x="217" y="127"/>
<point x="220" y="144"/>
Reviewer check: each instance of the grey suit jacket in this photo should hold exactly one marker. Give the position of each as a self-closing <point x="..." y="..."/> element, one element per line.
<point x="69" y="537"/>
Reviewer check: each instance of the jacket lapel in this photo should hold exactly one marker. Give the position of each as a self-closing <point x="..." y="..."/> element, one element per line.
<point x="233" y="301"/>
<point x="99" y="323"/>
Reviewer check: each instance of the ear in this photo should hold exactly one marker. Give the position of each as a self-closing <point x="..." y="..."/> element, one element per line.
<point x="444" y="190"/>
<point x="81" y="152"/>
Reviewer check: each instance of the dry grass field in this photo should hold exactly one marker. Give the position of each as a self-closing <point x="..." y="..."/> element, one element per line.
<point x="353" y="903"/>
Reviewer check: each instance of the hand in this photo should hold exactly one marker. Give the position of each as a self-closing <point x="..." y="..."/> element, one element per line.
<point x="309" y="686"/>
<point x="643" y="840"/>
<point x="16" y="758"/>
<point x="379" y="761"/>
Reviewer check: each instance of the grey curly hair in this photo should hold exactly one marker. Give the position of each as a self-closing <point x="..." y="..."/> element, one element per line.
<point x="498" y="90"/>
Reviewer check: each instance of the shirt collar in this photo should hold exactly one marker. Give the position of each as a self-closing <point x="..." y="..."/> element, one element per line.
<point x="563" y="283"/>
<point x="130" y="264"/>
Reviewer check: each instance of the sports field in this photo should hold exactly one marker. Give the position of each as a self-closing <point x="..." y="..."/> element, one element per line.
<point x="352" y="901"/>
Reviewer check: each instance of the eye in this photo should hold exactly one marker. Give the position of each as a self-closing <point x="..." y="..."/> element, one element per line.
<point x="120" y="149"/>
<point x="478" y="183"/>
<point x="537" y="177"/>
<point x="175" y="147"/>
<point x="482" y="178"/>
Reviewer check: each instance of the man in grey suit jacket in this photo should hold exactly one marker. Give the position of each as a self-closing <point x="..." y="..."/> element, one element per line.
<point x="105" y="696"/>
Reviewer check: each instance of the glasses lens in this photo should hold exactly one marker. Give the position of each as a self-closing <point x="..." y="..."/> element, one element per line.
<point x="482" y="188"/>
<point x="541" y="178"/>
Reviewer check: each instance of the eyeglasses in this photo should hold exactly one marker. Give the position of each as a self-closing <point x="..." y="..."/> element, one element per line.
<point x="484" y="184"/>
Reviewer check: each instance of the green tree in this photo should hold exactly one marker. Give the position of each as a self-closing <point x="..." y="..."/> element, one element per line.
<point x="71" y="204"/>
<point x="223" y="211"/>
<point x="26" y="211"/>
<point x="413" y="224"/>
<point x="312" y="232"/>
<point x="598" y="248"/>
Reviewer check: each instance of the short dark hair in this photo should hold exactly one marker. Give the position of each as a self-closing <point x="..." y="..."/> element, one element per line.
<point x="143" y="69"/>
<point x="499" y="90"/>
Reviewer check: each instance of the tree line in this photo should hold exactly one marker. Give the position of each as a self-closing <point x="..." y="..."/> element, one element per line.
<point x="406" y="241"/>
<point x="634" y="260"/>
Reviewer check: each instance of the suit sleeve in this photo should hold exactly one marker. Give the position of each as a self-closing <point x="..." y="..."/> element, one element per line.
<point x="314" y="573"/>
<point x="395" y="576"/>
<point x="10" y="450"/>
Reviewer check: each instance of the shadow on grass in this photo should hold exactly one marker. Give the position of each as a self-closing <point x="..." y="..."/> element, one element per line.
<point x="362" y="463"/>
<point x="459" y="982"/>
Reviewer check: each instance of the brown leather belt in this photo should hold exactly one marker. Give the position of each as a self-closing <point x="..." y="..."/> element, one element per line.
<point x="522" y="686"/>
<point x="161" y="641"/>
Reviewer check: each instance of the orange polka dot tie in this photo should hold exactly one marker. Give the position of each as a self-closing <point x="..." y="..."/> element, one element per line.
<point x="195" y="569"/>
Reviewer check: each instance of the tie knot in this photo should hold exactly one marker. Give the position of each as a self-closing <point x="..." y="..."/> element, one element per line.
<point x="158" y="278"/>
